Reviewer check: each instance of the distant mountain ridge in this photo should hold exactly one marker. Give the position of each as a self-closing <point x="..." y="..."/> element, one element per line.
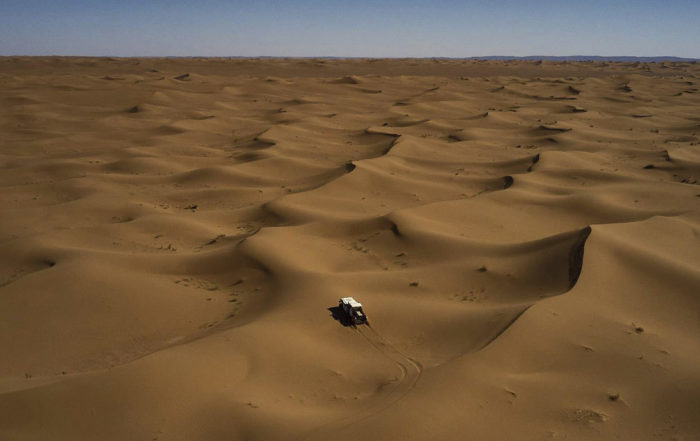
<point x="658" y="59"/>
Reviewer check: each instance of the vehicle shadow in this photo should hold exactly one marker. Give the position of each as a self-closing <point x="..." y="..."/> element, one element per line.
<point x="339" y="315"/>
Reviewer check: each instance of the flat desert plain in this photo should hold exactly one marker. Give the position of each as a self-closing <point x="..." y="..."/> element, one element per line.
<point x="175" y="235"/>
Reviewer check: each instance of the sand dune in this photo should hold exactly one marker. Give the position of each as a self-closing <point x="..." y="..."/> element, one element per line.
<point x="175" y="234"/>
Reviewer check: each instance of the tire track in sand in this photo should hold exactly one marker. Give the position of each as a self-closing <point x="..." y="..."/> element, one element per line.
<point x="410" y="372"/>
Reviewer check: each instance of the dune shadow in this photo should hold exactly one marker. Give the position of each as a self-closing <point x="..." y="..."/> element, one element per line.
<point x="340" y="316"/>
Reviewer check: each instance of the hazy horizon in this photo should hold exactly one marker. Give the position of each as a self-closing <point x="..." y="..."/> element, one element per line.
<point x="313" y="28"/>
<point x="581" y="58"/>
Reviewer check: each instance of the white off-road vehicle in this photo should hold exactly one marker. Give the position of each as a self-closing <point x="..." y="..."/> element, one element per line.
<point x="353" y="309"/>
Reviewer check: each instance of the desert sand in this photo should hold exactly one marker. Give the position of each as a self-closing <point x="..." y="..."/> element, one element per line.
<point x="174" y="235"/>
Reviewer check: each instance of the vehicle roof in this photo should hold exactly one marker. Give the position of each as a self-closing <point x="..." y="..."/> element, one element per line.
<point x="352" y="302"/>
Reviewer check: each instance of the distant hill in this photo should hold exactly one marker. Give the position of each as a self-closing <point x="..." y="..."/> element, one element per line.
<point x="588" y="58"/>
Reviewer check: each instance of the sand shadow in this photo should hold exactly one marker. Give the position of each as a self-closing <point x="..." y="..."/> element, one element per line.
<point x="340" y="316"/>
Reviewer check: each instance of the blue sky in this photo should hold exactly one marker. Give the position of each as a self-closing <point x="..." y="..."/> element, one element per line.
<point x="390" y="28"/>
